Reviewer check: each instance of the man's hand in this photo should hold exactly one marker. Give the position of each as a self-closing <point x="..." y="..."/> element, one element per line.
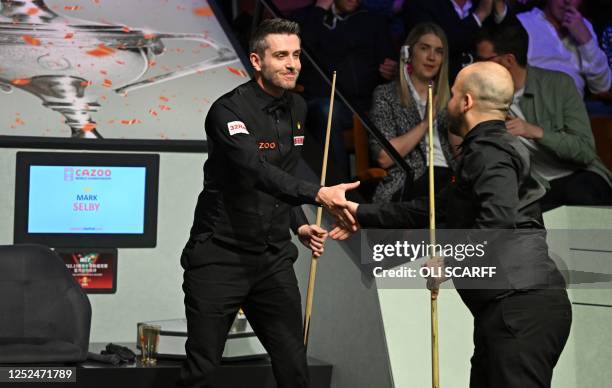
<point x="520" y="127"/>
<point x="334" y="200"/>
<point x="484" y="9"/>
<point x="341" y="233"/>
<point x="388" y="69"/>
<point x="574" y="23"/>
<point x="436" y="265"/>
<point x="313" y="237"/>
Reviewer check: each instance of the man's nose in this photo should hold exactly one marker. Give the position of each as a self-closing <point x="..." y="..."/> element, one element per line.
<point x="291" y="63"/>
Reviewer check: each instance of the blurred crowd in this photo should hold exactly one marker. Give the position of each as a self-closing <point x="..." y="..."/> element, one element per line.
<point x="388" y="52"/>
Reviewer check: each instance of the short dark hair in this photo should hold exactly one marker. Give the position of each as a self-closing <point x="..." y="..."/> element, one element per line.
<point x="258" y="44"/>
<point x="511" y="39"/>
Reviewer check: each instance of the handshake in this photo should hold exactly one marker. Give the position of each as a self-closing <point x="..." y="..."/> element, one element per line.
<point x="333" y="199"/>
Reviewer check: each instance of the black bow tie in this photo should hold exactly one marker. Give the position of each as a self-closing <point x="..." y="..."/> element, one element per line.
<point x="280" y="103"/>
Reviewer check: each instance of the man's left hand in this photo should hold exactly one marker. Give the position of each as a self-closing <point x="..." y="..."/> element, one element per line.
<point x="520" y="127"/>
<point x="313" y="237"/>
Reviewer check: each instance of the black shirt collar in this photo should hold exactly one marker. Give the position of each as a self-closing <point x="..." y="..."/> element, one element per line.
<point x="268" y="102"/>
<point x="483" y="128"/>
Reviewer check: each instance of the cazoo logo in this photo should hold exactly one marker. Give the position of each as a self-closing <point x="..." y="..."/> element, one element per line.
<point x="70" y="173"/>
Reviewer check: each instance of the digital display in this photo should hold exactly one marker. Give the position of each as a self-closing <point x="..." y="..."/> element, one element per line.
<point x="94" y="270"/>
<point x="86" y="199"/>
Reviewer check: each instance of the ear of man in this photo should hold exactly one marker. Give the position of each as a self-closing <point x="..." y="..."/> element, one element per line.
<point x="255" y="61"/>
<point x="468" y="102"/>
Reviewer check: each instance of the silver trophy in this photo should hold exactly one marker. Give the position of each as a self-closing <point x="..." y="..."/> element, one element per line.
<point x="57" y="59"/>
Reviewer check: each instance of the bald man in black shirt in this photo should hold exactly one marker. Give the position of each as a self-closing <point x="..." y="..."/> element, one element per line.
<point x="522" y="316"/>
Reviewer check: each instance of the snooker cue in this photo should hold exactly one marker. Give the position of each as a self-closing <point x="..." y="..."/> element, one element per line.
<point x="313" y="259"/>
<point x="435" y="363"/>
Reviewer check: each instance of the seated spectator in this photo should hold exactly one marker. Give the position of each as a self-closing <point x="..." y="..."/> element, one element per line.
<point x="399" y="112"/>
<point x="392" y="10"/>
<point x="344" y="37"/>
<point x="550" y="118"/>
<point x="461" y="20"/>
<point x="561" y="39"/>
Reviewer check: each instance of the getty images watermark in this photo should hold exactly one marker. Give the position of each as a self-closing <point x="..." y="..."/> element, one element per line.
<point x="485" y="259"/>
<point x="413" y="251"/>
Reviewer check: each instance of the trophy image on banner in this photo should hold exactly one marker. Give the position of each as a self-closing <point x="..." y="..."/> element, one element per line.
<point x="66" y="61"/>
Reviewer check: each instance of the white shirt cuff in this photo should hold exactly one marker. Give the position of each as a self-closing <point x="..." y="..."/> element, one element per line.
<point x="590" y="49"/>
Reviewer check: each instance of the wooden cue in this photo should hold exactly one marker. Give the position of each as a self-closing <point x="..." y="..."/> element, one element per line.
<point x="435" y="362"/>
<point x="313" y="259"/>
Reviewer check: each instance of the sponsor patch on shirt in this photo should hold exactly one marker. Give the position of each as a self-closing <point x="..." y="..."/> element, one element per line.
<point x="298" y="140"/>
<point x="267" y="145"/>
<point x="236" y="127"/>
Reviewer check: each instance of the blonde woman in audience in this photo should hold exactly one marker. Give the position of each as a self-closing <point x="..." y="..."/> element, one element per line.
<point x="399" y="112"/>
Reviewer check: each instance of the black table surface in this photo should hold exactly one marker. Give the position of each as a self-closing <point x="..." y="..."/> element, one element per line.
<point x="164" y="362"/>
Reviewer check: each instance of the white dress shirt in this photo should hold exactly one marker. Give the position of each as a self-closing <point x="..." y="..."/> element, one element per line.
<point x="587" y="64"/>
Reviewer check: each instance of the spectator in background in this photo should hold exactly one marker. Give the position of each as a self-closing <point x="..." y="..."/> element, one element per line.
<point x="461" y="20"/>
<point x="561" y="39"/>
<point x="399" y="112"/>
<point x="550" y="118"/>
<point x="392" y="10"/>
<point x="355" y="42"/>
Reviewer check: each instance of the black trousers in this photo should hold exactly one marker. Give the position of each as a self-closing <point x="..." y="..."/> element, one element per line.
<point x="217" y="281"/>
<point x="518" y="339"/>
<point x="582" y="188"/>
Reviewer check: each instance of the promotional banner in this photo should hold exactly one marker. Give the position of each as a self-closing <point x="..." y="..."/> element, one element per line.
<point x="135" y="72"/>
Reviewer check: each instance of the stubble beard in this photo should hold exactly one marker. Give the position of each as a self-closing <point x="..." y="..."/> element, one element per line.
<point x="275" y="80"/>
<point x="454" y="123"/>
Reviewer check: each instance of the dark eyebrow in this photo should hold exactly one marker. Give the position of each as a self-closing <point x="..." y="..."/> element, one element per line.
<point x="427" y="45"/>
<point x="285" y="52"/>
